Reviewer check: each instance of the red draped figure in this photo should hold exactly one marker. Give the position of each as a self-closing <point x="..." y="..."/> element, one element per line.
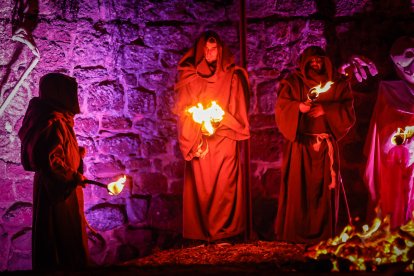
<point x="214" y="192"/>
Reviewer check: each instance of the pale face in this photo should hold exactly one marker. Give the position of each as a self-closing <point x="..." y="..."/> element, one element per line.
<point x="316" y="63"/>
<point x="210" y="52"/>
<point x="405" y="64"/>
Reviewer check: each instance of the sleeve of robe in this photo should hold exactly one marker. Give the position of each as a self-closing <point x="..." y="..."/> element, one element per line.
<point x="339" y="112"/>
<point x="287" y="111"/>
<point x="189" y="132"/>
<point x="63" y="178"/>
<point x="235" y="123"/>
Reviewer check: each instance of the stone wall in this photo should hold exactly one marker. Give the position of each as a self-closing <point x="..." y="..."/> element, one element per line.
<point x="124" y="56"/>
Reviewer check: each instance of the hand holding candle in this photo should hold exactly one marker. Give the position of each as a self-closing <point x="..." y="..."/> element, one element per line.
<point x="314" y="92"/>
<point x="206" y="117"/>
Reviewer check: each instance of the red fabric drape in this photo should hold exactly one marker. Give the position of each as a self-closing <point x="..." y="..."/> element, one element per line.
<point x="389" y="171"/>
<point x="214" y="194"/>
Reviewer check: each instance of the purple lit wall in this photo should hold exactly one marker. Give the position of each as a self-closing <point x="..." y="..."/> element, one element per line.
<point x="124" y="56"/>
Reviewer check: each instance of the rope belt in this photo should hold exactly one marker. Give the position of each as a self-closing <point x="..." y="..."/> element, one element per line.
<point x="320" y="137"/>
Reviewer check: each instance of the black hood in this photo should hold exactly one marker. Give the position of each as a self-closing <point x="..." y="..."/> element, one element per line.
<point x="60" y="91"/>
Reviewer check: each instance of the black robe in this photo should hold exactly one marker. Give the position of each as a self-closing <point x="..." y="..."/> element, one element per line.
<point x="49" y="148"/>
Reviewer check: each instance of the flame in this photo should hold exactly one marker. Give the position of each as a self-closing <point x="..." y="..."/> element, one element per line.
<point x="372" y="247"/>
<point x="206" y="117"/>
<point x="401" y="135"/>
<point x="316" y="90"/>
<point x="114" y="188"/>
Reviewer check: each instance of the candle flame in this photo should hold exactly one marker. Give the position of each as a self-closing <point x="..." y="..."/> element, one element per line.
<point x="114" y="188"/>
<point x="316" y="90"/>
<point x="206" y="117"/>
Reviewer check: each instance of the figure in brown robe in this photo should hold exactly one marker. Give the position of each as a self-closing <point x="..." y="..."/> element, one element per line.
<point x="49" y="148"/>
<point x="389" y="173"/>
<point x="214" y="196"/>
<point x="309" y="193"/>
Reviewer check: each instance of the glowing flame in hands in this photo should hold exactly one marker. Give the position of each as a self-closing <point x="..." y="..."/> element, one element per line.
<point x="314" y="92"/>
<point x="206" y="117"/>
<point x="114" y="188"/>
<point x="373" y="247"/>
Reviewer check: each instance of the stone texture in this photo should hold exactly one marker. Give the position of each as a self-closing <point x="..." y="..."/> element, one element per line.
<point x="105" y="96"/>
<point x="86" y="126"/>
<point x="7" y="194"/>
<point x="104" y="217"/>
<point x="121" y="145"/>
<point x="4" y="248"/>
<point x="22" y="240"/>
<point x="124" y="55"/>
<point x="166" y="213"/>
<point x="141" y="101"/>
<point x="18" y="214"/>
<point x="137" y="209"/>
<point x="107" y="168"/>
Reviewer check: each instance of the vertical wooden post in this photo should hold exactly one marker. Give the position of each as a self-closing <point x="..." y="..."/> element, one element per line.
<point x="245" y="145"/>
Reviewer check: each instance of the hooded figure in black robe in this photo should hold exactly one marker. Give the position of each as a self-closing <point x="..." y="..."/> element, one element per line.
<point x="49" y="148"/>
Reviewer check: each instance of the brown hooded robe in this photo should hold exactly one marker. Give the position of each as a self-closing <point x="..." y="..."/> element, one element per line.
<point x="307" y="209"/>
<point x="49" y="148"/>
<point x="214" y="193"/>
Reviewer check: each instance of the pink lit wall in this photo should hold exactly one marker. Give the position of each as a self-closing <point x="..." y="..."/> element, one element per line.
<point x="124" y="56"/>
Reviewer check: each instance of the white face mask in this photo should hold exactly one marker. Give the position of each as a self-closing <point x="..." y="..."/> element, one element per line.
<point x="404" y="64"/>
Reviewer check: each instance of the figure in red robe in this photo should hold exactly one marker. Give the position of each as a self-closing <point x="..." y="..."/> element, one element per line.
<point x="389" y="172"/>
<point x="309" y="193"/>
<point x="214" y="196"/>
<point x="49" y="148"/>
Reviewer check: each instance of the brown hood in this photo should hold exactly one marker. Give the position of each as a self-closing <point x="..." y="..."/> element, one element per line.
<point x="193" y="63"/>
<point x="303" y="70"/>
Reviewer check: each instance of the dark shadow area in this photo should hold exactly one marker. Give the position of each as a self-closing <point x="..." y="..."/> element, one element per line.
<point x="369" y="33"/>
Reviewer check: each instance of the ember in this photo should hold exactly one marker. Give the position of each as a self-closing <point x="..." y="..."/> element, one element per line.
<point x="369" y="249"/>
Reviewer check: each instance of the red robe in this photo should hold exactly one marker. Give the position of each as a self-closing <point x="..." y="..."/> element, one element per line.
<point x="389" y="172"/>
<point x="50" y="149"/>
<point x="214" y="196"/>
<point x="307" y="210"/>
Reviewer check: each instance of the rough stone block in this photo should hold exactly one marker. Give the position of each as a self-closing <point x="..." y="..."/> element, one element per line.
<point x="121" y="145"/>
<point x="86" y="126"/>
<point x="116" y="123"/>
<point x="105" y="96"/>
<point x="18" y="214"/>
<point x="106" y="216"/>
<point x="141" y="101"/>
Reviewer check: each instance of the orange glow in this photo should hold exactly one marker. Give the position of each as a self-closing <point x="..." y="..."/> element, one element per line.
<point x="401" y="135"/>
<point x="370" y="248"/>
<point x="114" y="188"/>
<point x="213" y="114"/>
<point x="316" y="90"/>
